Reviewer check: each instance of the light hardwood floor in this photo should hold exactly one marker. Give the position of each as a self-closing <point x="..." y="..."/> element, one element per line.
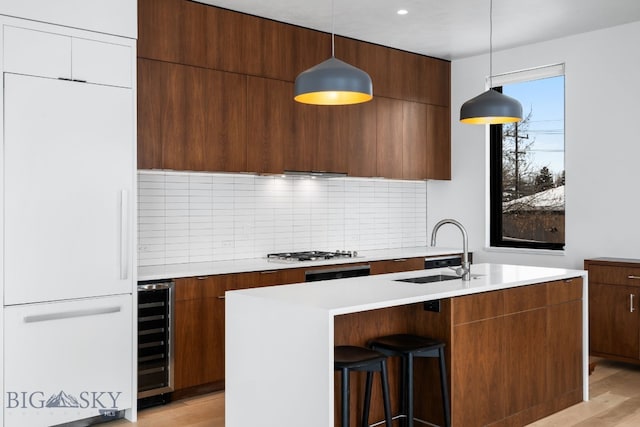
<point x="614" y="391"/>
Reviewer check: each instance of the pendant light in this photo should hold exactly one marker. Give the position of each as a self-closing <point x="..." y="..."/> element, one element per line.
<point x="333" y="82"/>
<point x="491" y="107"/>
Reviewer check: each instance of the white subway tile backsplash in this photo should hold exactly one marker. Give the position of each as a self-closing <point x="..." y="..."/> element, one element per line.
<point x="200" y="217"/>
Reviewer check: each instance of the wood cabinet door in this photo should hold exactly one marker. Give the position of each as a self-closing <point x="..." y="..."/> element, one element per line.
<point x="389" y="137"/>
<point x="199" y="333"/>
<point x="269" y="124"/>
<point x="180" y="106"/>
<point x="361" y="138"/>
<point x="300" y="151"/>
<point x="438" y="157"/>
<point x="333" y="143"/>
<point x="613" y="321"/>
<point x="414" y="140"/>
<point x="564" y="349"/>
<point x="477" y="373"/>
<point x="226" y="115"/>
<point x="525" y="335"/>
<point x="193" y="118"/>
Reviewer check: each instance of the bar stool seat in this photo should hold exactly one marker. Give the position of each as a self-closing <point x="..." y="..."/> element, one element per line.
<point x="349" y="358"/>
<point x="408" y="346"/>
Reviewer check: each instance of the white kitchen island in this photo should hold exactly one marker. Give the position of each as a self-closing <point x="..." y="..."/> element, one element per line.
<point x="280" y="339"/>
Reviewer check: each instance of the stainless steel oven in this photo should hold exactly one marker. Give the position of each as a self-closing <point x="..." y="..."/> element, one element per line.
<point x="155" y="338"/>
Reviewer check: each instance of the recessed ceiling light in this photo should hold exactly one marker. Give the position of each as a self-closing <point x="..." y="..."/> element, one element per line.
<point x="402" y="12"/>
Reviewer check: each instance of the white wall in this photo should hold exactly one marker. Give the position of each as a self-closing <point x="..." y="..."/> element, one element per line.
<point x="602" y="149"/>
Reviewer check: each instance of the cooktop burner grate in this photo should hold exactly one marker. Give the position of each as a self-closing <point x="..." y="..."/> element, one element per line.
<point x="311" y="255"/>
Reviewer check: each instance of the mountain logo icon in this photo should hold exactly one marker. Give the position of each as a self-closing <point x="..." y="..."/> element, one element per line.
<point x="62" y="400"/>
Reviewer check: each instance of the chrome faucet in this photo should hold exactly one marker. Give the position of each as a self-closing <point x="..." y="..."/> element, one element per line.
<point x="465" y="270"/>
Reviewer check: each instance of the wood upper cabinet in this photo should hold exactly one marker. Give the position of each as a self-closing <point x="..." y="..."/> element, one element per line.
<point x="414" y="140"/>
<point x="160" y="107"/>
<point x="389" y="137"/>
<point x="361" y="138"/>
<point x="270" y="124"/>
<point x="346" y="139"/>
<point x="215" y="93"/>
<point x="192" y="119"/>
<point x="438" y="142"/>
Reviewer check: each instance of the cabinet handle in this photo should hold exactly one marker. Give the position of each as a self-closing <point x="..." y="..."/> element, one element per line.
<point x="633" y="277"/>
<point x="631" y="309"/>
<point x="221" y="297"/>
<point x="269" y="272"/>
<point x="70" y="314"/>
<point x="202" y="277"/>
<point x="124" y="235"/>
<point x="400" y="260"/>
<point x="568" y="280"/>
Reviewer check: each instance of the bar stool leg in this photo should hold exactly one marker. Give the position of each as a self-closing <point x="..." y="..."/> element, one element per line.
<point x="443" y="387"/>
<point x="345" y="397"/>
<point x="410" y="389"/>
<point x="367" y="400"/>
<point x="385" y="393"/>
<point x="403" y="391"/>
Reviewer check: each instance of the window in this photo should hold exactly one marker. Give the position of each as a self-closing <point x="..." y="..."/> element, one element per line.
<point x="527" y="163"/>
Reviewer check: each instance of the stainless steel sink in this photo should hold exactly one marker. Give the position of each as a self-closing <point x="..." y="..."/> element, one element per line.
<point x="429" y="279"/>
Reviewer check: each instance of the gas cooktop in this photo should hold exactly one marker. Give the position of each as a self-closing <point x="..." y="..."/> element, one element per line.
<point x="311" y="255"/>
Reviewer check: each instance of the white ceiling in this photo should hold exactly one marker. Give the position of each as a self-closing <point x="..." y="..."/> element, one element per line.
<point x="448" y="29"/>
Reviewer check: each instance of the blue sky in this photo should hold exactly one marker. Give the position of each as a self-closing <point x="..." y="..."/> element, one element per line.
<point x="545" y="98"/>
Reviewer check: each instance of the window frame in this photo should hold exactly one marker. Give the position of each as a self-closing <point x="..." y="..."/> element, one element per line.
<point x="496" y="239"/>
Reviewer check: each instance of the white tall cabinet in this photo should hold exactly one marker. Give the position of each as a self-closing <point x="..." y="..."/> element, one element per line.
<point x="68" y="224"/>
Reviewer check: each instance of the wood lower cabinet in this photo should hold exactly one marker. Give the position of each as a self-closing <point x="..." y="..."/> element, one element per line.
<point x="396" y="265"/>
<point x="200" y="314"/>
<point x="614" y="319"/>
<point x="513" y="356"/>
<point x="516" y="355"/>
<point x="199" y="322"/>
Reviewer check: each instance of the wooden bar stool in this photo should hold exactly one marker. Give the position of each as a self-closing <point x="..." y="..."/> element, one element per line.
<point x="408" y="347"/>
<point x="349" y="358"/>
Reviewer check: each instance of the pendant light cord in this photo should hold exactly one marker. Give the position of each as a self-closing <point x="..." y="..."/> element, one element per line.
<point x="333" y="32"/>
<point x="490" y="44"/>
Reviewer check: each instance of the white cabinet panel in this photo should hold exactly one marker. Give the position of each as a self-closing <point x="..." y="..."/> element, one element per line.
<point x="37" y="53"/>
<point x="68" y="162"/>
<point x="102" y="63"/>
<point x="79" y="351"/>
<point x="118" y="17"/>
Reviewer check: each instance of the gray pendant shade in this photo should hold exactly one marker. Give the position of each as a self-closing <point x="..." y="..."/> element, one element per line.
<point x="333" y="82"/>
<point x="491" y="107"/>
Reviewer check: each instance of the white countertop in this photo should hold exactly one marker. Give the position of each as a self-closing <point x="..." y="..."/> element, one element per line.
<point x="290" y="328"/>
<point x="172" y="271"/>
<point x="372" y="292"/>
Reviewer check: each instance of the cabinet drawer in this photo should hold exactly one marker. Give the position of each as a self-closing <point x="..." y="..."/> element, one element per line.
<point x="72" y="348"/>
<point x="564" y="290"/>
<point x="101" y="63"/>
<point x="397" y="265"/>
<point x="614" y="275"/>
<point x="476" y="307"/>
<point x="525" y="298"/>
<point x="36" y="53"/>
